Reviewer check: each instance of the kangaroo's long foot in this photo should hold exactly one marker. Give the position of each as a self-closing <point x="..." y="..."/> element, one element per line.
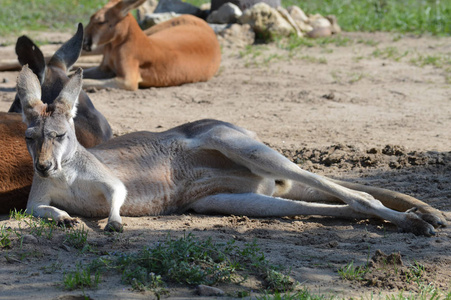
<point x="420" y="223"/>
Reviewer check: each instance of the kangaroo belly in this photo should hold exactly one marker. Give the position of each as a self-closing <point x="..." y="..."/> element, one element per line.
<point x="165" y="175"/>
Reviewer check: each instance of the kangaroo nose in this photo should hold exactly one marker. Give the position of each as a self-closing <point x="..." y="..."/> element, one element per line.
<point x="87" y="44"/>
<point x="43" y="167"/>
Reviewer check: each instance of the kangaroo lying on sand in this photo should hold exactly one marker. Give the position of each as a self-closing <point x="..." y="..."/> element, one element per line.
<point x="91" y="127"/>
<point x="180" y="51"/>
<point x="207" y="166"/>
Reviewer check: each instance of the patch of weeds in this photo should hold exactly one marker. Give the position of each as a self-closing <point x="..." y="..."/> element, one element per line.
<point x="52" y="268"/>
<point x="303" y="294"/>
<point x="81" y="278"/>
<point x="337" y="40"/>
<point x="358" y="58"/>
<point x="30" y="254"/>
<point x="294" y="42"/>
<point x="36" y="226"/>
<point x="77" y="238"/>
<point x="389" y="53"/>
<point x="336" y="76"/>
<point x="448" y="77"/>
<point x="351" y="272"/>
<point x="41" y="227"/>
<point x="18" y="215"/>
<point x="252" y="51"/>
<point x="438" y="61"/>
<point x="5" y="240"/>
<point x="371" y="43"/>
<point x="277" y="281"/>
<point x="356" y="77"/>
<point x="415" y="273"/>
<point x="272" y="57"/>
<point x="426" y="292"/>
<point x="313" y="59"/>
<point x="188" y="260"/>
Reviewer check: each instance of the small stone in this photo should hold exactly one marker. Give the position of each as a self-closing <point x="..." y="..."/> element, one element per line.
<point x="205" y="290"/>
<point x="29" y="239"/>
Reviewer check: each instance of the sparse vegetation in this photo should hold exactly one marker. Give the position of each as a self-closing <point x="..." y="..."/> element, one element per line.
<point x="191" y="261"/>
<point x="352" y="272"/>
<point x="81" y="278"/>
<point x="390" y="53"/>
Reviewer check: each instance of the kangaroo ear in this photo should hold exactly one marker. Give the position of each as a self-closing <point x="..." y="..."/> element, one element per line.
<point x="69" y="52"/>
<point x="28" y="53"/>
<point x="125" y="6"/>
<point x="29" y="92"/>
<point x="67" y="100"/>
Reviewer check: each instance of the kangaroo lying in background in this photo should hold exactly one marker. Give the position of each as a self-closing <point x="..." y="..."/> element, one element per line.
<point x="182" y="50"/>
<point x="91" y="127"/>
<point x="207" y="166"/>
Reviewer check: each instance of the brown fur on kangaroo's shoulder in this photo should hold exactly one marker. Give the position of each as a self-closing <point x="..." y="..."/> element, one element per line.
<point x="16" y="170"/>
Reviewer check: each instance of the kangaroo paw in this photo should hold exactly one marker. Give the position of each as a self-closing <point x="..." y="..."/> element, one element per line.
<point x="416" y="224"/>
<point x="114" y="226"/>
<point x="433" y="217"/>
<point x="67" y="222"/>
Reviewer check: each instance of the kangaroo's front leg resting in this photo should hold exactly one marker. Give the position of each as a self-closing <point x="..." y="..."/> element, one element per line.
<point x="115" y="194"/>
<point x="61" y="217"/>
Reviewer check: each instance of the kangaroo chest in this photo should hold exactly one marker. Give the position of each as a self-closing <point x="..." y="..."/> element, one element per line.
<point x="79" y="196"/>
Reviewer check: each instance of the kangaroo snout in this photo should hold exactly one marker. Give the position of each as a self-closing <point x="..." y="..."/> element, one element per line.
<point x="43" y="167"/>
<point x="87" y="44"/>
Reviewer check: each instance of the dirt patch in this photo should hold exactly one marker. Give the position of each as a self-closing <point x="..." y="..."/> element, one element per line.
<point x="347" y="112"/>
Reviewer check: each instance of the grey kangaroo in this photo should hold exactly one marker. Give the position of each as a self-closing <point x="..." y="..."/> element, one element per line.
<point x="207" y="166"/>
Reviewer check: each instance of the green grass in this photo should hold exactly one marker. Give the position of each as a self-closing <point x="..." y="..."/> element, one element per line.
<point x="351" y="272"/>
<point x="191" y="261"/>
<point x="48" y="15"/>
<point x="81" y="278"/>
<point x="417" y="16"/>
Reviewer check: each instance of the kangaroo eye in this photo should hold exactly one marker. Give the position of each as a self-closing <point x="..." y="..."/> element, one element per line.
<point x="60" y="135"/>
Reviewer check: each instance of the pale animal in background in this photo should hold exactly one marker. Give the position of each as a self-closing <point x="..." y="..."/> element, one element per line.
<point x="182" y="50"/>
<point x="207" y="166"/>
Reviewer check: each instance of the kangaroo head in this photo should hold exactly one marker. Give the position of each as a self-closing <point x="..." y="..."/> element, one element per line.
<point x="105" y="25"/>
<point x="50" y="135"/>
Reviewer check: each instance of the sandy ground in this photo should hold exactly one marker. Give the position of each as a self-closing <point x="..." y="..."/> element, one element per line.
<point x="340" y="111"/>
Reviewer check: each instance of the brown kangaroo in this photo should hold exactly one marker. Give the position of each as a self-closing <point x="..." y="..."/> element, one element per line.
<point x="206" y="166"/>
<point x="179" y="51"/>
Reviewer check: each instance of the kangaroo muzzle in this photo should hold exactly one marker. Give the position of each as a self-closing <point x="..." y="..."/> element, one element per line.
<point x="87" y="44"/>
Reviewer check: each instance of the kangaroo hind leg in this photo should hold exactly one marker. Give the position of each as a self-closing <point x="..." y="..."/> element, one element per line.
<point x="266" y="162"/>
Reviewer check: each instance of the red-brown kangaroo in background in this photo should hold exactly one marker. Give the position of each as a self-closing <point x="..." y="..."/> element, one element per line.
<point x="182" y="50"/>
<point x="91" y="127"/>
<point x="207" y="166"/>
